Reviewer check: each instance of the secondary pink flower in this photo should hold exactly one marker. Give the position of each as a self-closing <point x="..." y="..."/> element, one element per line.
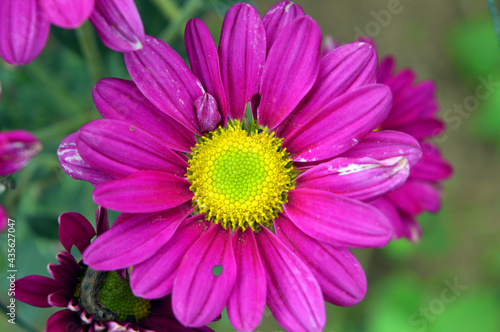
<point x="25" y="25"/>
<point x="95" y="300"/>
<point x="233" y="178"/>
<point x="17" y="147"/>
<point x="413" y="112"/>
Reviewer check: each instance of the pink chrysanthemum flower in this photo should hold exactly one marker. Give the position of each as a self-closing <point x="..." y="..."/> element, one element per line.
<point x="241" y="179"/>
<point x="95" y="300"/>
<point x="17" y="147"/>
<point x="25" y="25"/>
<point x="413" y="112"/>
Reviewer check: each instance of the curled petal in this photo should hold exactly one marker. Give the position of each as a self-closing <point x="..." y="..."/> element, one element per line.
<point x="69" y="14"/>
<point x="73" y="164"/>
<point x="364" y="179"/>
<point x="17" y="147"/>
<point x="24" y="29"/>
<point x="293" y="294"/>
<point x="205" y="278"/>
<point x="207" y="112"/>
<point x="119" y="24"/>
<point x="75" y="229"/>
<point x="64" y="321"/>
<point x="204" y="61"/>
<point x="101" y="220"/>
<point x="242" y="53"/>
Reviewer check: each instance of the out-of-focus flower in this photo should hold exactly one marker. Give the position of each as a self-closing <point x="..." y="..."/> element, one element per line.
<point x="17" y="147"/>
<point x="25" y="25"/>
<point x="233" y="176"/>
<point x="95" y="300"/>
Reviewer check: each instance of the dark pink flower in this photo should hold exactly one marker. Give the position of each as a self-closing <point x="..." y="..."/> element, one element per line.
<point x="233" y="176"/>
<point x="17" y="147"/>
<point x="25" y="25"/>
<point x="413" y="112"/>
<point x="85" y="295"/>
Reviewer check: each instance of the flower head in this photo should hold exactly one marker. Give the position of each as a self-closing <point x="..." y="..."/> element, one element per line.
<point x="94" y="300"/>
<point x="25" y="25"/>
<point x="234" y="177"/>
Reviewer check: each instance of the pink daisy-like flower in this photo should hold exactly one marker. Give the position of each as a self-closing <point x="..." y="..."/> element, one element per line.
<point x="25" y="25"/>
<point x="17" y="147"/>
<point x="241" y="180"/>
<point x="95" y="300"/>
<point x="413" y="112"/>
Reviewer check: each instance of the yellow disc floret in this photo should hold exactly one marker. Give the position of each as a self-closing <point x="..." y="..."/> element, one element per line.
<point x="240" y="178"/>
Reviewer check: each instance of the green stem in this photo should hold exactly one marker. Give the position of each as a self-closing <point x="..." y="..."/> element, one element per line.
<point x="492" y="6"/>
<point x="54" y="89"/>
<point x="88" y="44"/>
<point x="168" y="8"/>
<point x="179" y="23"/>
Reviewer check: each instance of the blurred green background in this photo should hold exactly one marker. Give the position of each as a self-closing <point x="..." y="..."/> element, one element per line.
<point x="447" y="282"/>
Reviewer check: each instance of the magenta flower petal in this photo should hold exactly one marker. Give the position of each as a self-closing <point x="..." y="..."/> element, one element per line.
<point x="343" y="282"/>
<point x="60" y="298"/>
<point x="165" y="79"/>
<point x="121" y="100"/>
<point x="432" y="167"/>
<point x="385" y="68"/>
<point x="17" y="147"/>
<point x="341" y="124"/>
<point x="64" y="321"/>
<point x="66" y="272"/>
<point x="402" y="224"/>
<point x="200" y="290"/>
<point x="293" y="294"/>
<point x="120" y="149"/>
<point x="247" y="301"/>
<point x="67" y="14"/>
<point x="242" y="53"/>
<point x="119" y="24"/>
<point x="345" y="69"/>
<point x="136" y="235"/>
<point x="386" y="144"/>
<point x="422" y="128"/>
<point x="416" y="196"/>
<point x="207" y="113"/>
<point x="34" y="290"/>
<point x="286" y="79"/>
<point x="278" y="17"/>
<point x="4" y="218"/>
<point x="75" y="229"/>
<point x="337" y="220"/>
<point x="101" y="220"/>
<point x="143" y="192"/>
<point x="23" y="31"/>
<point x="363" y="179"/>
<point x="73" y="164"/>
<point x="154" y="277"/>
<point x="204" y="60"/>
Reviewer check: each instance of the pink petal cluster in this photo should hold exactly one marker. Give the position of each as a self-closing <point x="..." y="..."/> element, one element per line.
<point x="325" y="108"/>
<point x="414" y="111"/>
<point x="25" y="25"/>
<point x="17" y="147"/>
<point x="59" y="290"/>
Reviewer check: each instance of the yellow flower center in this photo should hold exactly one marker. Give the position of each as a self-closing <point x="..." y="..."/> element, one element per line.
<point x="240" y="178"/>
